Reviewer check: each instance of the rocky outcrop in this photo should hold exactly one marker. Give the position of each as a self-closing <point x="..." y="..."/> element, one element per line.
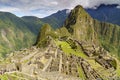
<point x="80" y="25"/>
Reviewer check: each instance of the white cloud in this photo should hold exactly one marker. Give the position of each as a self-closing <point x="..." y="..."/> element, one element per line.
<point x="9" y="9"/>
<point x="68" y="11"/>
<point x="94" y="3"/>
<point x="47" y="7"/>
<point x="54" y="3"/>
<point x="118" y="6"/>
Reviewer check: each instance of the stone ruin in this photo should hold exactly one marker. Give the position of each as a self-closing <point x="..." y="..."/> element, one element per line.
<point x="68" y="64"/>
<point x="57" y="61"/>
<point x="97" y="52"/>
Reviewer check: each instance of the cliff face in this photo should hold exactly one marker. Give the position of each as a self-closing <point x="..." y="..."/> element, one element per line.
<point x="44" y="31"/>
<point x="108" y="35"/>
<point x="80" y="25"/>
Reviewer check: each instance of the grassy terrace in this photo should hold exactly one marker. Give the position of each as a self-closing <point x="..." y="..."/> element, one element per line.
<point x="118" y="68"/>
<point x="3" y="77"/>
<point x="16" y="76"/>
<point x="68" y="50"/>
<point x="81" y="73"/>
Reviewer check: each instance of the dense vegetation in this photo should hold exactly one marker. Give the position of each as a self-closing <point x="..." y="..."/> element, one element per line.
<point x="14" y="34"/>
<point x="17" y="33"/>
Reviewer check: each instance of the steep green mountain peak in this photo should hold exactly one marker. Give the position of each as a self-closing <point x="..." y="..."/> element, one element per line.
<point x="45" y="30"/>
<point x="80" y="25"/>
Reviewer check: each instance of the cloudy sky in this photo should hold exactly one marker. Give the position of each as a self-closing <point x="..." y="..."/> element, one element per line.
<point x="42" y="8"/>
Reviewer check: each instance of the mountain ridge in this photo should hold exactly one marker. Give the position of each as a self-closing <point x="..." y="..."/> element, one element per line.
<point x="106" y="13"/>
<point x="31" y="25"/>
<point x="13" y="33"/>
<point x="56" y="18"/>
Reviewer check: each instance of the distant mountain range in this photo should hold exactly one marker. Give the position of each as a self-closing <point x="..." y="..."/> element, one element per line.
<point x="106" y="13"/>
<point x="56" y="20"/>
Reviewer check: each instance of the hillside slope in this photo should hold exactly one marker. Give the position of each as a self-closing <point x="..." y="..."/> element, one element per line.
<point x="56" y="20"/>
<point x="33" y="23"/>
<point x="14" y="34"/>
